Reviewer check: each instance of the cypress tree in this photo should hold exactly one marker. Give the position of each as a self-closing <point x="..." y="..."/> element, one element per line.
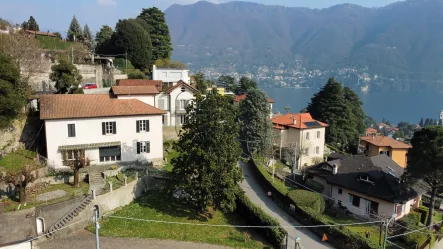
<point x="75" y="32"/>
<point x="32" y="24"/>
<point x="87" y="37"/>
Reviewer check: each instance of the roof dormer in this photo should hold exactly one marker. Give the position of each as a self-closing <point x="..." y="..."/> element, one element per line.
<point x="366" y="178"/>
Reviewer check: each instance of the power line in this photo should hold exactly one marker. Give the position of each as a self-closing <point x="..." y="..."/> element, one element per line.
<point x="239" y="226"/>
<point x="395" y="244"/>
<point x="35" y="137"/>
<point x="414" y="231"/>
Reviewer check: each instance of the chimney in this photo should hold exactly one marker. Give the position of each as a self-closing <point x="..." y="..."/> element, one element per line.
<point x="334" y="169"/>
<point x="294" y="121"/>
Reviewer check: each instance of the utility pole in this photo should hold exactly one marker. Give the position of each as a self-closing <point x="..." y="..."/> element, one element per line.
<point x="97" y="226"/>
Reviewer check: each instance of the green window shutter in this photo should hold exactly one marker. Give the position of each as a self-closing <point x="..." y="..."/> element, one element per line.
<point x="147" y="125"/>
<point x="103" y="128"/>
<point x="114" y="125"/>
<point x="138" y="147"/>
<point x="148" y="147"/>
<point x="137" y="123"/>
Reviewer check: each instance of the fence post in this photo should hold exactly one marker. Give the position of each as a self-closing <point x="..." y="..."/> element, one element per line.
<point x="110" y="186"/>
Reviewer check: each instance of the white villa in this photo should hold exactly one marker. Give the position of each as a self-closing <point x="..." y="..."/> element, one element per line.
<point x="173" y="99"/>
<point x="170" y="76"/>
<point x="301" y="133"/>
<point x="104" y="128"/>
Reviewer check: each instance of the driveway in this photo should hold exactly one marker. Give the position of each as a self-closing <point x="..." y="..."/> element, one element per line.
<point x="257" y="195"/>
<point x="86" y="240"/>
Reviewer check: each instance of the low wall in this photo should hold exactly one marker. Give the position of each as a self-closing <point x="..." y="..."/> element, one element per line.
<point x="52" y="213"/>
<point x="17" y="226"/>
<point x="24" y="245"/>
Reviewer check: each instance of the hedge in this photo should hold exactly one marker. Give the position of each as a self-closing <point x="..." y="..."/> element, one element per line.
<point x="314" y="185"/>
<point x="279" y="185"/>
<point x="424" y="214"/>
<point x="308" y="200"/>
<point x="257" y="217"/>
<point x="339" y="237"/>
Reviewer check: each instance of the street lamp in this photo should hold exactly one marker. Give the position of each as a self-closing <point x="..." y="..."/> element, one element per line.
<point x="182" y="90"/>
<point x="386" y="229"/>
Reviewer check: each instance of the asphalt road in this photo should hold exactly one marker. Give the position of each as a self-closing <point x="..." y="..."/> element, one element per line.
<point x="258" y="196"/>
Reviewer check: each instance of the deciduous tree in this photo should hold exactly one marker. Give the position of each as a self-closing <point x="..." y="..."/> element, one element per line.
<point x="206" y="168"/>
<point x="66" y="77"/>
<point x="79" y="161"/>
<point x="103" y="40"/>
<point x="425" y="162"/>
<point x="131" y="38"/>
<point x="167" y="63"/>
<point x="21" y="178"/>
<point x="256" y="126"/>
<point x="75" y="32"/>
<point x="201" y="83"/>
<point x="158" y="31"/>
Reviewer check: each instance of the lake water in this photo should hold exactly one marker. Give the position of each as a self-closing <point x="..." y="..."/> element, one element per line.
<point x="393" y="106"/>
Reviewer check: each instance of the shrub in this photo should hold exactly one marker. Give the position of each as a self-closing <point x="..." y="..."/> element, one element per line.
<point x="307" y="200"/>
<point x="314" y="185"/>
<point x="424" y="214"/>
<point x="257" y="217"/>
<point x="277" y="184"/>
<point x="411" y="220"/>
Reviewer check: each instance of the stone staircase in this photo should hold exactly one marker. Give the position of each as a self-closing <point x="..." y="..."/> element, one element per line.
<point x="96" y="181"/>
<point x="69" y="216"/>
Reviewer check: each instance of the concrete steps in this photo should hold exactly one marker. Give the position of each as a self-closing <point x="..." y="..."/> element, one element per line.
<point x="96" y="181"/>
<point x="67" y="218"/>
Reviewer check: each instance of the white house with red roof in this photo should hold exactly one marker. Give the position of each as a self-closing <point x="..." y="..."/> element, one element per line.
<point x="302" y="134"/>
<point x="102" y="128"/>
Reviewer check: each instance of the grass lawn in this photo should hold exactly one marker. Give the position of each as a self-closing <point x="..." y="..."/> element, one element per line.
<point x="168" y="166"/>
<point x="71" y="193"/>
<point x="15" y="161"/>
<point x="55" y="43"/>
<point x="158" y="206"/>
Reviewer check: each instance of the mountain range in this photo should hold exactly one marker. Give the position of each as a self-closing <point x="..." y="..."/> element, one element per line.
<point x="402" y="41"/>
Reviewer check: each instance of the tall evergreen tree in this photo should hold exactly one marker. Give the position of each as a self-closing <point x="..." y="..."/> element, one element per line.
<point x="159" y="32"/>
<point x="206" y="167"/>
<point x="245" y="85"/>
<point x="256" y="127"/>
<point x="87" y="37"/>
<point x="329" y="105"/>
<point x="228" y="82"/>
<point x="421" y="123"/>
<point x="24" y="26"/>
<point x="75" y="32"/>
<point x="425" y="162"/>
<point x="201" y="84"/>
<point x="357" y="110"/>
<point x="11" y="99"/>
<point x="131" y="38"/>
<point x="427" y="121"/>
<point x="32" y="24"/>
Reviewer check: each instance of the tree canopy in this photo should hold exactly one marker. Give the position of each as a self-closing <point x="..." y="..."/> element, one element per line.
<point x="228" y="82"/>
<point x="158" y="31"/>
<point x="201" y="83"/>
<point x="340" y="109"/>
<point x="256" y="126"/>
<point x="31" y="24"/>
<point x="167" y="63"/>
<point x="66" y="77"/>
<point x="103" y="39"/>
<point x="130" y="37"/>
<point x="11" y="100"/>
<point x="75" y="32"/>
<point x="246" y="84"/>
<point x="4" y="25"/>
<point x="425" y="161"/>
<point x="206" y="167"/>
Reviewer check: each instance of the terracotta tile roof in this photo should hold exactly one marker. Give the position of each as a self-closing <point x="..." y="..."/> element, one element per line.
<point x="371" y="130"/>
<point x="238" y="98"/>
<point x="32" y="32"/>
<point x="134" y="90"/>
<point x="179" y="84"/>
<point x="139" y="82"/>
<point x="61" y="106"/>
<point x="302" y="121"/>
<point x="382" y="141"/>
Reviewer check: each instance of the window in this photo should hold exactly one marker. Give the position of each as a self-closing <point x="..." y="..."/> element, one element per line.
<point x="307" y="151"/>
<point x="365" y="178"/>
<point x="340" y="191"/>
<point x="142" y="125"/>
<point x="307" y="135"/>
<point x="71" y="155"/>
<point x="318" y="134"/>
<point x="109" y="154"/>
<point x="71" y="130"/>
<point x="143" y="147"/>
<point x="182" y="119"/>
<point x="109" y="128"/>
<point x="317" y="150"/>
<point x="354" y="200"/>
<point x="182" y="104"/>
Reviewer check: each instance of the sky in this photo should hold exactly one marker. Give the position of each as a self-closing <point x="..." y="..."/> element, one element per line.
<point x="56" y="15"/>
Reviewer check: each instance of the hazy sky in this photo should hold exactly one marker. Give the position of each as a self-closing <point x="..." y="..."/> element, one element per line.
<point x="55" y="15"/>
